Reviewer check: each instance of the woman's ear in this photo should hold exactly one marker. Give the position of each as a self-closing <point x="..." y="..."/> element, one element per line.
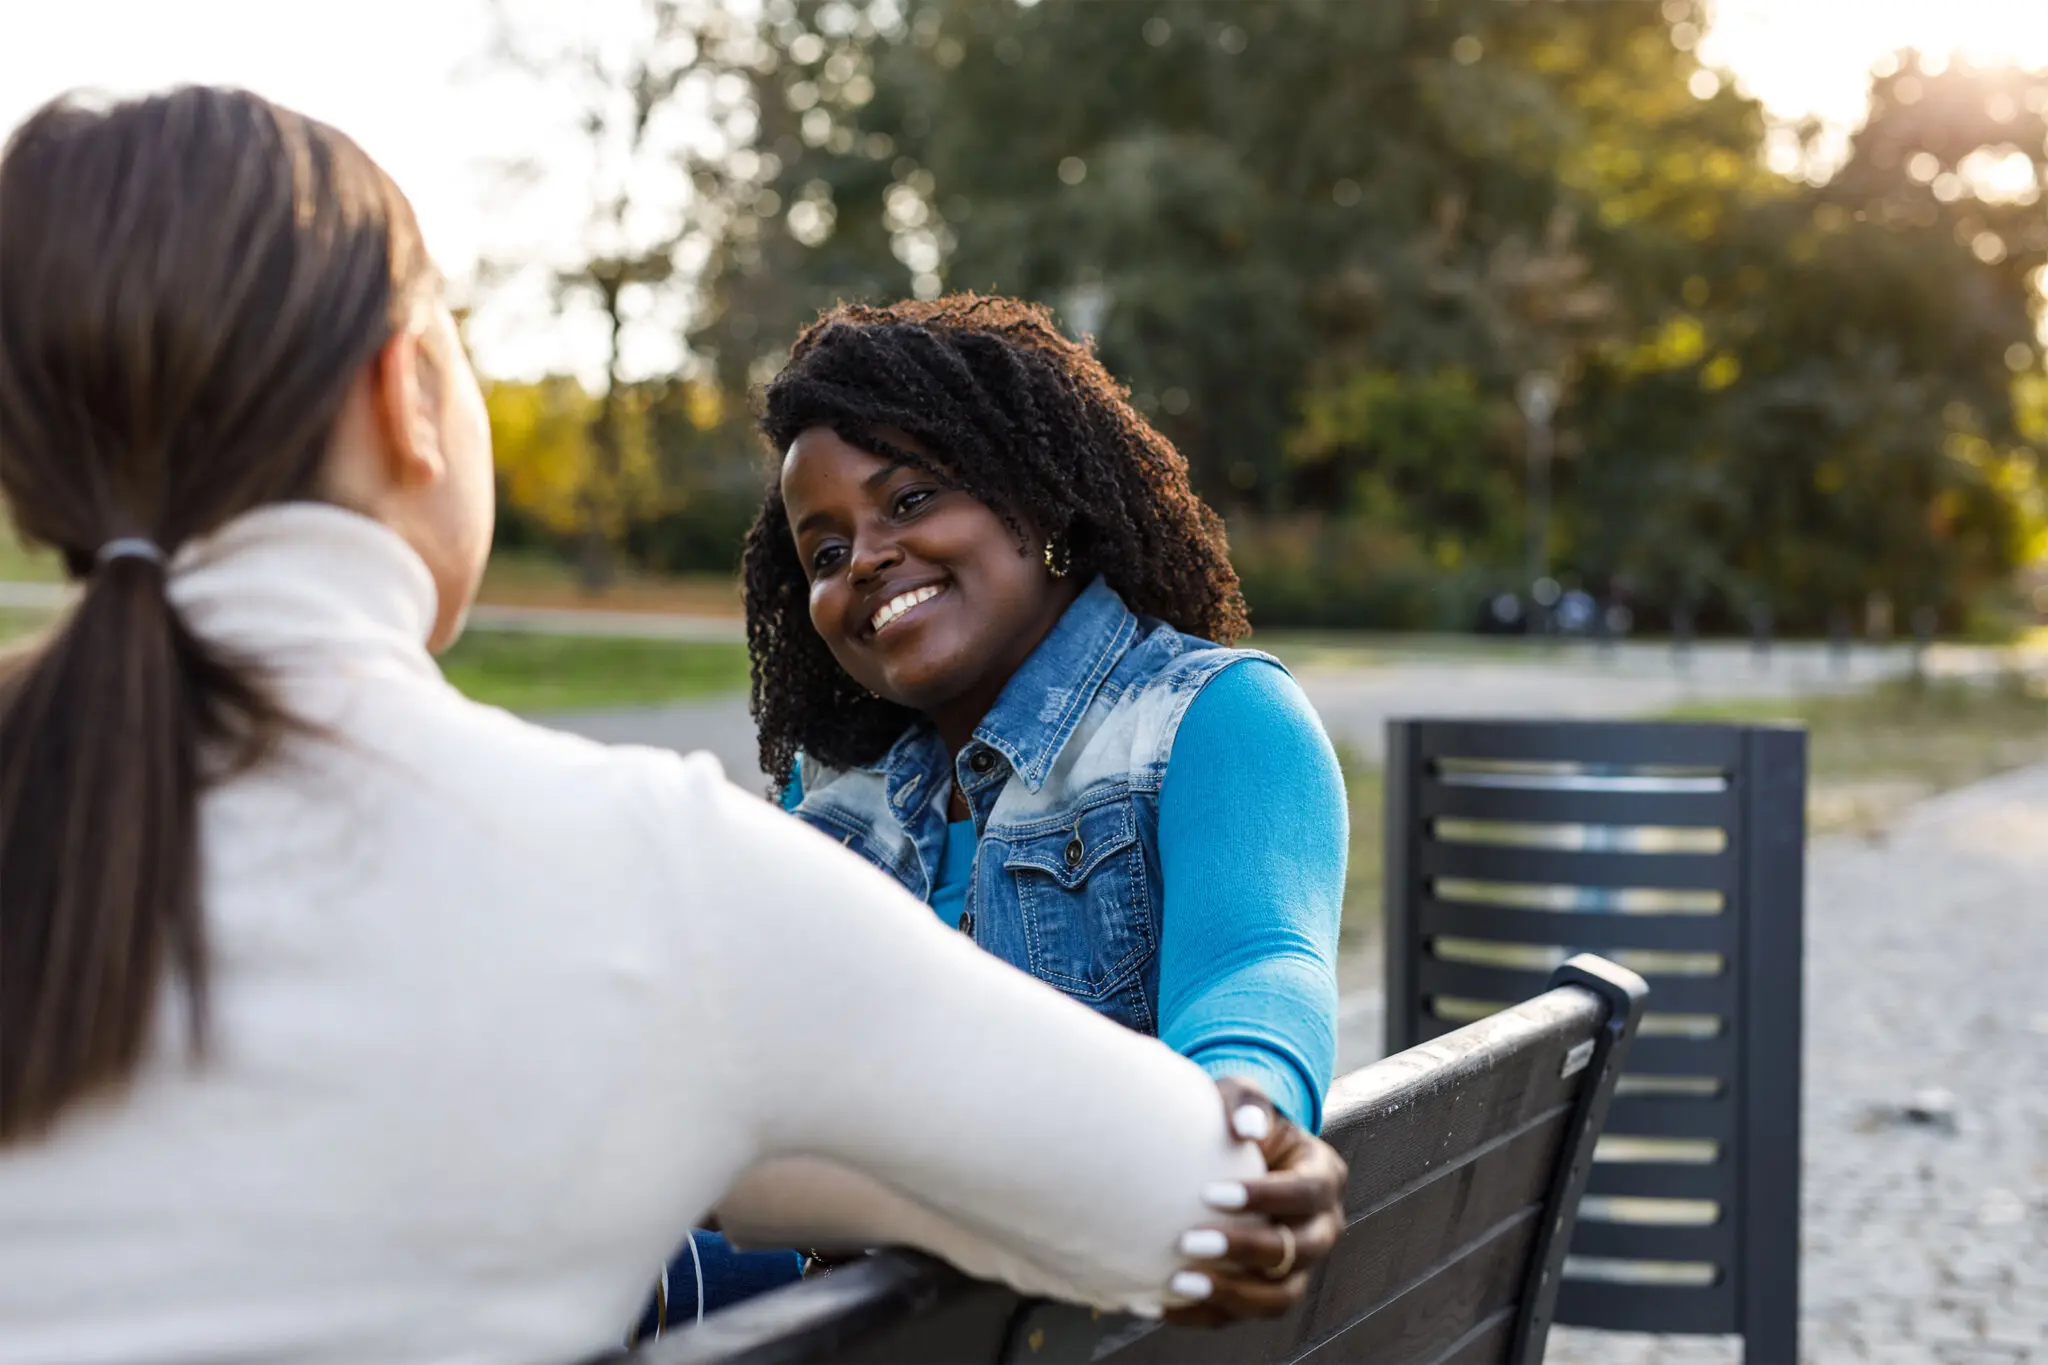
<point x="408" y="403"/>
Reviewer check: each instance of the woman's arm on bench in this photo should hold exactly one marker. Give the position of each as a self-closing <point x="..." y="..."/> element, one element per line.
<point x="1013" y="1127"/>
<point x="818" y="1204"/>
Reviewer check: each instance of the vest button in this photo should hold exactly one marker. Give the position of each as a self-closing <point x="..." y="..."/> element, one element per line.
<point x="967" y="922"/>
<point x="1074" y="851"/>
<point x="981" y="760"/>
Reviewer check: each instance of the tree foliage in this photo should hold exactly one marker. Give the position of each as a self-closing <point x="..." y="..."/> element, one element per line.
<point x="1323" y="243"/>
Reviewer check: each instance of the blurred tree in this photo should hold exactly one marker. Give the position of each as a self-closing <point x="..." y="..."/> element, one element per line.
<point x="1262" y="210"/>
<point x="656" y="115"/>
<point x="1831" y="414"/>
<point x="1324" y="242"/>
<point x="805" y="206"/>
<point x="687" y="477"/>
<point x="540" y="433"/>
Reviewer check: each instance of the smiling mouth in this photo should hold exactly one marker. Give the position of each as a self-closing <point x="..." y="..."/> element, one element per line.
<point x="895" y="608"/>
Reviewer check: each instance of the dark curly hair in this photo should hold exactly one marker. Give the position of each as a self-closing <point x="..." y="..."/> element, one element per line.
<point x="1020" y="418"/>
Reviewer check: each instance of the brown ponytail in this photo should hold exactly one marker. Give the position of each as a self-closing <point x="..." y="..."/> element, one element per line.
<point x="189" y="284"/>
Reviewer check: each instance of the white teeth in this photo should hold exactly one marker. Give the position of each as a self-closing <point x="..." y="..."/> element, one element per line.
<point x="899" y="604"/>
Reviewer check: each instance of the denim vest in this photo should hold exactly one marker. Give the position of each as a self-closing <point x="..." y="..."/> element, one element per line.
<point x="1063" y="779"/>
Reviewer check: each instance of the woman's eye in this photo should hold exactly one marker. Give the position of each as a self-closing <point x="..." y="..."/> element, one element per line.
<point x="825" y="556"/>
<point x="912" y="499"/>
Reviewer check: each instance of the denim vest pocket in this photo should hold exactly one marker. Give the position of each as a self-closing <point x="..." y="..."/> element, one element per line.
<point x="1084" y="898"/>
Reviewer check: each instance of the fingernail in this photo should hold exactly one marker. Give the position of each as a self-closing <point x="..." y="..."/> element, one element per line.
<point x="1225" y="1194"/>
<point x="1252" y="1123"/>
<point x="1203" y="1244"/>
<point x="1192" y="1285"/>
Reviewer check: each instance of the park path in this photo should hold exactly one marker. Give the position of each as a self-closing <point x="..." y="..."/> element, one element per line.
<point x="1925" y="1243"/>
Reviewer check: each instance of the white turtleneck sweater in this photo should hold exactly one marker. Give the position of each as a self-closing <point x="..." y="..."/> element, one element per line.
<point x="499" y="1012"/>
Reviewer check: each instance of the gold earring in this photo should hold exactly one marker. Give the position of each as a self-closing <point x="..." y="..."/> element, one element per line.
<point x="1054" y="566"/>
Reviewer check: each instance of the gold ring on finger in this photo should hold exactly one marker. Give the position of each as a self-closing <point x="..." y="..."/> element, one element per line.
<point x="1286" y="1266"/>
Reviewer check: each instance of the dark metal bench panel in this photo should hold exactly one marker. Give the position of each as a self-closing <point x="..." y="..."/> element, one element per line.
<point x="1432" y="1317"/>
<point x="1502" y="1073"/>
<point x="1587" y="742"/>
<point x="1402" y="1241"/>
<point x="1594" y="932"/>
<point x="1715" y="1057"/>
<point x="1689" y="1056"/>
<point x="1651" y="1180"/>
<point x="1467" y="923"/>
<point x="1443" y="1144"/>
<point x="1629" y="1241"/>
<point x="1488" y="1342"/>
<point x="1552" y="867"/>
<point x="1775" y="891"/>
<point x="1446" y="1235"/>
<point x="1699" y="810"/>
<point x="1387" y="1248"/>
<point x="1642" y="1308"/>
<point x="1502" y="986"/>
<point x="1714" y="1118"/>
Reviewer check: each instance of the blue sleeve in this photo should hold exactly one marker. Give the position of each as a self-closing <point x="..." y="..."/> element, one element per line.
<point x="1253" y="833"/>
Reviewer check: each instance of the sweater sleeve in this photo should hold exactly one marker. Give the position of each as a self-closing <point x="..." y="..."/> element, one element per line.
<point x="993" y="1121"/>
<point x="1253" y="833"/>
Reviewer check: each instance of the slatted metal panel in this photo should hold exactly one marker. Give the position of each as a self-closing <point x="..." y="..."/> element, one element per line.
<point x="1467" y="1158"/>
<point x="1676" y="851"/>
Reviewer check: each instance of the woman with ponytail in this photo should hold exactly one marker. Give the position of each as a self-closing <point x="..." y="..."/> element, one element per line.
<point x="343" y="1019"/>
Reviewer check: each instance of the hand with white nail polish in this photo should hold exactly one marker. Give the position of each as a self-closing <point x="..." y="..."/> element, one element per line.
<point x="1252" y="1122"/>
<point x="1227" y="1195"/>
<point x="1273" y="1230"/>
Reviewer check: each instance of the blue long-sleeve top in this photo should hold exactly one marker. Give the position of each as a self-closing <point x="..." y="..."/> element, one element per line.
<point x="1253" y="833"/>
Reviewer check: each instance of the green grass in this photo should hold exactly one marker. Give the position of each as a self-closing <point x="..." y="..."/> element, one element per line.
<point x="19" y="564"/>
<point x="529" y="579"/>
<point x="1362" y="787"/>
<point x="539" y="673"/>
<point x="1872" y="754"/>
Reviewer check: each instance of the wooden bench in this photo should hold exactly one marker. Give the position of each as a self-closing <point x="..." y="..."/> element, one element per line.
<point x="1468" y="1155"/>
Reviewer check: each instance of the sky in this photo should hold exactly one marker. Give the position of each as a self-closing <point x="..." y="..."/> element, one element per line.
<point x="403" y="77"/>
<point x="1814" y="56"/>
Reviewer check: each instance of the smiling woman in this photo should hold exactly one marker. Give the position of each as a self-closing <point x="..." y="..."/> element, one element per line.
<point x="893" y="415"/>
<point x="990" y="623"/>
<point x="922" y="594"/>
